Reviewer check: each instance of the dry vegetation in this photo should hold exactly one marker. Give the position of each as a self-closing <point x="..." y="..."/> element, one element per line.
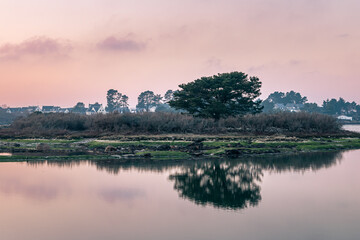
<point x="76" y="125"/>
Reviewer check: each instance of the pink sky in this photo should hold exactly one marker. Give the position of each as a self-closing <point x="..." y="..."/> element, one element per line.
<point x="61" y="52"/>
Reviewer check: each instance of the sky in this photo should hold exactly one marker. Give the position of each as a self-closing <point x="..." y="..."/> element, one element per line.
<point x="62" y="52"/>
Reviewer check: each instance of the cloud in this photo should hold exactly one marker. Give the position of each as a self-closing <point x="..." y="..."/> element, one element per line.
<point x="39" y="192"/>
<point x="37" y="46"/>
<point x="254" y="69"/>
<point x="113" y="43"/>
<point x="113" y="195"/>
<point x="344" y="35"/>
<point x="295" y="62"/>
<point x="214" y="63"/>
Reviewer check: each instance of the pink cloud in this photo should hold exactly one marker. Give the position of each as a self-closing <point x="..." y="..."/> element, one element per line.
<point x="37" y="46"/>
<point x="120" y="44"/>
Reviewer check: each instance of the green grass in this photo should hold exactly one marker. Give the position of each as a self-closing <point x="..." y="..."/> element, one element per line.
<point x="48" y="141"/>
<point x="103" y="144"/>
<point x="222" y="151"/>
<point x="214" y="148"/>
<point x="218" y="143"/>
<point x="165" y="154"/>
<point x="21" y="158"/>
<point x="338" y="145"/>
<point x="216" y="151"/>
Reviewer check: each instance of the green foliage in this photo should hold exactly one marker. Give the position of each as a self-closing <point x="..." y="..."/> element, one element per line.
<point x="282" y="98"/>
<point x="124" y="105"/>
<point x="169" y="95"/>
<point x="79" y="108"/>
<point x="7" y="118"/>
<point x="165" y="154"/>
<point x="219" y="96"/>
<point x="147" y="100"/>
<point x="117" y="101"/>
<point x="268" y="106"/>
<point x="311" y="108"/>
<point x="166" y="108"/>
<point x="113" y="99"/>
<point x="103" y="144"/>
<point x="286" y="98"/>
<point x="338" y="107"/>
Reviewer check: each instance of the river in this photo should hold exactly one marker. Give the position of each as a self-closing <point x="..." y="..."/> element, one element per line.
<point x="309" y="196"/>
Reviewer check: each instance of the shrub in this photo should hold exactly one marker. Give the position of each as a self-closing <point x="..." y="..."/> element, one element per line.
<point x="60" y="124"/>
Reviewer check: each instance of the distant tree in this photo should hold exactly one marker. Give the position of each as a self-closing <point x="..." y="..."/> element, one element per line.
<point x="338" y="107"/>
<point x="79" y="108"/>
<point x="147" y="100"/>
<point x="124" y="101"/>
<point x="222" y="95"/>
<point x="124" y="105"/>
<point x="282" y="98"/>
<point x="267" y="106"/>
<point x="276" y="97"/>
<point x="311" y="108"/>
<point x="164" y="107"/>
<point x="169" y="95"/>
<point x="331" y="107"/>
<point x="285" y="98"/>
<point x="294" y="98"/>
<point x="113" y="98"/>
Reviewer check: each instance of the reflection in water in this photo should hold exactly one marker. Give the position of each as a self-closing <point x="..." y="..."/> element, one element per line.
<point x="234" y="184"/>
<point x="228" y="184"/>
<point x="299" y="162"/>
<point x="6" y="154"/>
<point x="38" y="192"/>
<point x="223" y="185"/>
<point x="120" y="194"/>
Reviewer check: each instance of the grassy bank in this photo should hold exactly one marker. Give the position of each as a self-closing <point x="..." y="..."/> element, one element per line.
<point x="168" y="148"/>
<point x="159" y="136"/>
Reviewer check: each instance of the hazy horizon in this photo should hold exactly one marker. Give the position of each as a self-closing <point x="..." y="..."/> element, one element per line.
<point x="61" y="53"/>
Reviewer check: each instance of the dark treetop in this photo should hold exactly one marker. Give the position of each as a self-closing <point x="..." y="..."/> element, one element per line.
<point x="222" y="95"/>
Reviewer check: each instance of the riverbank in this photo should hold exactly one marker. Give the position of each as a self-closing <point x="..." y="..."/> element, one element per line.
<point x="168" y="147"/>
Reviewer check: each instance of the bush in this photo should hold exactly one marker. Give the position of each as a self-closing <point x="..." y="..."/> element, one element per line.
<point x="60" y="124"/>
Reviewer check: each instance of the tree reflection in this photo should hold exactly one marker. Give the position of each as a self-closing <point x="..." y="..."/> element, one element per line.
<point x="222" y="185"/>
<point x="235" y="184"/>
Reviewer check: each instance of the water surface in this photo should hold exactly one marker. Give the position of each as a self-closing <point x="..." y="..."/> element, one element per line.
<point x="312" y="196"/>
<point x="352" y="127"/>
<point x="6" y="154"/>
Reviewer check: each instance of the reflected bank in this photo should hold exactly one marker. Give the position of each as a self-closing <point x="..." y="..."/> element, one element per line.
<point x="228" y="184"/>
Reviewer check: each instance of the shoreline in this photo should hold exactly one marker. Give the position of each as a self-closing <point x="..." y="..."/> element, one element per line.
<point x="156" y="148"/>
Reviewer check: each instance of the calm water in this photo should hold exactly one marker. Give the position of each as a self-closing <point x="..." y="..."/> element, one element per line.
<point x="353" y="128"/>
<point x="313" y="196"/>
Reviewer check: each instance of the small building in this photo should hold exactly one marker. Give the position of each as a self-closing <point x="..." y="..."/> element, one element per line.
<point x="50" y="109"/>
<point x="279" y="107"/>
<point x="344" y="118"/>
<point x="290" y="107"/>
<point x="31" y="109"/>
<point x="65" y="110"/>
<point x="14" y="110"/>
<point x="95" y="109"/>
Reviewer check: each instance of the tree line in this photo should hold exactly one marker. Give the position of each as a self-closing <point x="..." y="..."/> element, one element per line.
<point x="218" y="96"/>
<point x="221" y="96"/>
<point x="330" y="106"/>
